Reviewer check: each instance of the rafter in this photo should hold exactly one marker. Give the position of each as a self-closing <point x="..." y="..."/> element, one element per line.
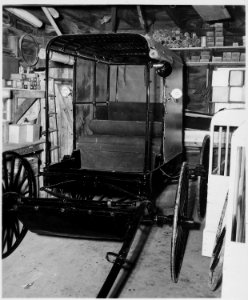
<point x="142" y="19"/>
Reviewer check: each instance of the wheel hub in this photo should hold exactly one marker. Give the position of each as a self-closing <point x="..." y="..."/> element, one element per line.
<point x="10" y="199"/>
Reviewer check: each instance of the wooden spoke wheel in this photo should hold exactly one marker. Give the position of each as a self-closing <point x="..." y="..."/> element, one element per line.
<point x="17" y="181"/>
<point x="179" y="231"/>
<point x="203" y="179"/>
<point x="216" y="264"/>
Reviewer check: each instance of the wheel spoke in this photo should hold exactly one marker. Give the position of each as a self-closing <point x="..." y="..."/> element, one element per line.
<point x="4" y="237"/>
<point x="25" y="187"/>
<point x="12" y="170"/>
<point x="18" y="178"/>
<point x="16" y="228"/>
<point x="18" y="173"/>
<point x="10" y="238"/>
<point x="25" y="193"/>
<point x="5" y="174"/>
<point x="22" y="182"/>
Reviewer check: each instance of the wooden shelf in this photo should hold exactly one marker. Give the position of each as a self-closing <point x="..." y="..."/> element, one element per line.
<point x="228" y="102"/>
<point x="24" y="148"/>
<point x="27" y="93"/>
<point x="209" y="48"/>
<point x="221" y="63"/>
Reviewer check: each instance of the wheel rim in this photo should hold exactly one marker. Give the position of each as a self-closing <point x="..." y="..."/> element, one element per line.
<point x="17" y="181"/>
<point x="203" y="180"/>
<point x="216" y="265"/>
<point x="179" y="232"/>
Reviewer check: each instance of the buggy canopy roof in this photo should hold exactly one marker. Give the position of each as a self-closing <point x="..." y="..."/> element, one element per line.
<point x="113" y="48"/>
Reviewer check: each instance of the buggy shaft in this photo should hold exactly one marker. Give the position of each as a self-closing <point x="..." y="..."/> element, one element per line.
<point x="121" y="257"/>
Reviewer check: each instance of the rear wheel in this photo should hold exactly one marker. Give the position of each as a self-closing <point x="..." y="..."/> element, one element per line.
<point x="203" y="178"/>
<point x="17" y="181"/>
<point x="179" y="231"/>
<point x="216" y="264"/>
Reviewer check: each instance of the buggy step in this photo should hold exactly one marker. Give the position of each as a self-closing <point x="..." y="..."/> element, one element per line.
<point x="183" y="221"/>
<point x="54" y="148"/>
<point x="49" y="131"/>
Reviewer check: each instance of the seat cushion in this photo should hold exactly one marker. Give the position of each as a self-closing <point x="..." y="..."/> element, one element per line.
<point x="116" y="153"/>
<point x="124" y="128"/>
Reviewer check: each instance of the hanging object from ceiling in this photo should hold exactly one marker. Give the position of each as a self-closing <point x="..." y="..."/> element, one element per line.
<point x="51" y="20"/>
<point x="53" y="12"/>
<point x="29" y="49"/>
<point x="212" y="12"/>
<point x="26" y="16"/>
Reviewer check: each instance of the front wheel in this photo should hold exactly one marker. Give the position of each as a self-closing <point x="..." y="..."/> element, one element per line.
<point x="203" y="178"/>
<point x="179" y="231"/>
<point x="17" y="181"/>
<point x="216" y="264"/>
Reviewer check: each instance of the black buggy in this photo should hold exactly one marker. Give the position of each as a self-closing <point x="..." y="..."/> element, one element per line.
<point x="127" y="147"/>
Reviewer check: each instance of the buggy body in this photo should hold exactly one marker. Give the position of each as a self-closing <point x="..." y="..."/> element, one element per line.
<point x="123" y="138"/>
<point x="127" y="145"/>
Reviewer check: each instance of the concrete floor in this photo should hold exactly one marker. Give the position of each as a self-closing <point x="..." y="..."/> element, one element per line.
<point x="61" y="267"/>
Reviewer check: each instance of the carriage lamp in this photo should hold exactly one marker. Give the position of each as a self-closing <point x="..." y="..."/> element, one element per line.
<point x="165" y="70"/>
<point x="176" y="93"/>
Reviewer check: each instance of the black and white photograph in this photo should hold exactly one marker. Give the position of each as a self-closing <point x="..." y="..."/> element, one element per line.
<point x="124" y="140"/>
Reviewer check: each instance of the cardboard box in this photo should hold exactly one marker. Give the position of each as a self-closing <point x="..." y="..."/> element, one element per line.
<point x="210" y="33"/>
<point x="242" y="57"/>
<point x="237" y="94"/>
<point x="220" y="77"/>
<point x="24" y="133"/>
<point x="205" y="57"/>
<point x="220" y="94"/>
<point x="195" y="58"/>
<point x="210" y="39"/>
<point x="236" y="78"/>
<point x="219" y="33"/>
<point x="5" y="131"/>
<point x="219" y="44"/>
<point x="216" y="58"/>
<point x="15" y="134"/>
<point x="227" y="56"/>
<point x="218" y="25"/>
<point x="31" y="132"/>
<point x="219" y="39"/>
<point x="235" y="56"/>
<point x="210" y="44"/>
<point x="205" y="53"/>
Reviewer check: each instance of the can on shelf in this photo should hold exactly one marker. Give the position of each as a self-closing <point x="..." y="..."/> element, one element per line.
<point x="203" y="41"/>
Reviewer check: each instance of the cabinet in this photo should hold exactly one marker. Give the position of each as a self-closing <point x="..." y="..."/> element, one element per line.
<point x="214" y="52"/>
<point x="198" y="74"/>
<point x="16" y="103"/>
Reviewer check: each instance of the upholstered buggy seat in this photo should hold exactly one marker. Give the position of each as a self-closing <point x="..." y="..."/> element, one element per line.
<point x="118" y="144"/>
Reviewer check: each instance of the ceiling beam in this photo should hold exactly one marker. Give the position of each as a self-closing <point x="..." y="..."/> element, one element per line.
<point x="142" y="19"/>
<point x="212" y="12"/>
<point x="114" y="19"/>
<point x="78" y="22"/>
<point x="51" y="20"/>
